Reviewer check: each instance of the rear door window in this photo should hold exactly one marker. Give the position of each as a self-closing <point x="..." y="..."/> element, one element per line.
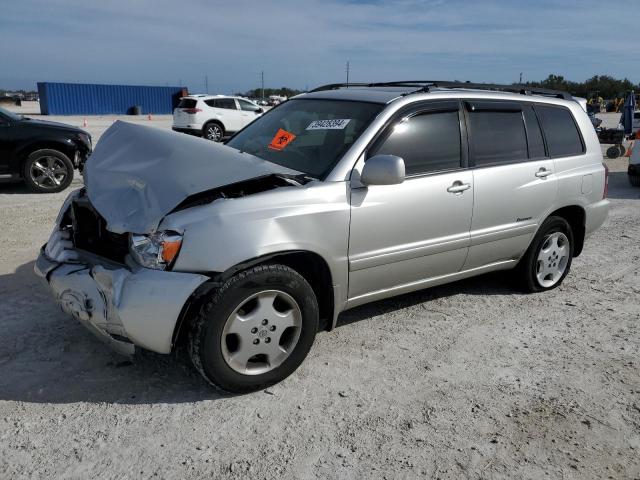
<point x="534" y="134"/>
<point x="226" y="103"/>
<point x="560" y="131"/>
<point x="427" y="142"/>
<point x="497" y="134"/>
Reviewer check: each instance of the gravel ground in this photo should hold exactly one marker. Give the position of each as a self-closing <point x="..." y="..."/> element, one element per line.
<point x="469" y="380"/>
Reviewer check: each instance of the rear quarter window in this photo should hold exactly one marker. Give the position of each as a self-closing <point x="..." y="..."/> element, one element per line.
<point x="187" y="103"/>
<point x="560" y="131"/>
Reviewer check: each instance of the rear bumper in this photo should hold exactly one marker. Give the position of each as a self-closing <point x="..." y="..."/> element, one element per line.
<point x="122" y="306"/>
<point x="596" y="214"/>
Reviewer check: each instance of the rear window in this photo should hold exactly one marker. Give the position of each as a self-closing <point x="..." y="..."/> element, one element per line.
<point x="560" y="130"/>
<point x="497" y="137"/>
<point x="187" y="103"/>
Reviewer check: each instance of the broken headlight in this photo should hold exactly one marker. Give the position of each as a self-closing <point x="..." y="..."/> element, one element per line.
<point x="157" y="251"/>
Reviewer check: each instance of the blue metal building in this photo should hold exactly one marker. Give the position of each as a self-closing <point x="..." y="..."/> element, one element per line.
<point x="93" y="99"/>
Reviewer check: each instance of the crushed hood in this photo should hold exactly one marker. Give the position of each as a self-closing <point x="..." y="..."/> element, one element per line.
<point x="137" y="175"/>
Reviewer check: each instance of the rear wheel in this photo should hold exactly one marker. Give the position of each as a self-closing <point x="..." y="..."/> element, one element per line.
<point x="213" y="131"/>
<point x="255" y="330"/>
<point x="47" y="171"/>
<point x="548" y="259"/>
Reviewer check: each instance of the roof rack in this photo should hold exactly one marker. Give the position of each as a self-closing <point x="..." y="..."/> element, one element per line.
<point x="409" y="83"/>
<point x="426" y="85"/>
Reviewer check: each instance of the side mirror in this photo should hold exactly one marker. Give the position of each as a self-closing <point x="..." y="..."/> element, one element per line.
<point x="383" y="170"/>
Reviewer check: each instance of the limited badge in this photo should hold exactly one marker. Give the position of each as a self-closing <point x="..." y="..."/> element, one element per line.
<point x="281" y="139"/>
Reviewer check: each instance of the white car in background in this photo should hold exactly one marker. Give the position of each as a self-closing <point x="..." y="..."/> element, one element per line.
<point x="214" y="116"/>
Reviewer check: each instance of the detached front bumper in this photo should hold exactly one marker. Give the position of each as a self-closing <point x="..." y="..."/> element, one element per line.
<point x="122" y="306"/>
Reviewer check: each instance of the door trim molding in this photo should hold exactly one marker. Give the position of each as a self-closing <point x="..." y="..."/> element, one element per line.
<point x="408" y="251"/>
<point x="494" y="234"/>
<point x="429" y="282"/>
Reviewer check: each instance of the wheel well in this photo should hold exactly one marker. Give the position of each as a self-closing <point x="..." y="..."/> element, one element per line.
<point x="310" y="265"/>
<point x="575" y="216"/>
<point x="67" y="150"/>
<point x="315" y="270"/>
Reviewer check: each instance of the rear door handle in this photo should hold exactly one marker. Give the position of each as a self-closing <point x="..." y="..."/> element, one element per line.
<point x="458" y="187"/>
<point x="543" y="173"/>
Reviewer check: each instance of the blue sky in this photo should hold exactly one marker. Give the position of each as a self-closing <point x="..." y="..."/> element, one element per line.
<point x="307" y="43"/>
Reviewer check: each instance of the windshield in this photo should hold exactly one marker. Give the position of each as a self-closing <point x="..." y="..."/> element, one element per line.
<point x="309" y="136"/>
<point x="9" y="115"/>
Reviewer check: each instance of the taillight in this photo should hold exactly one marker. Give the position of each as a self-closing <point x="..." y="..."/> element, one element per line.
<point x="191" y="111"/>
<point x="606" y="180"/>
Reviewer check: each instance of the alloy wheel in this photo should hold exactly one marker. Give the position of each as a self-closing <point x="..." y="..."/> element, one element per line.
<point x="552" y="260"/>
<point x="214" y="132"/>
<point x="48" y="172"/>
<point x="261" y="332"/>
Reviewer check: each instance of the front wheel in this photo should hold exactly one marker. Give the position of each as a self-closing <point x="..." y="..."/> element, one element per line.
<point x="47" y="171"/>
<point x="255" y="330"/>
<point x="548" y="259"/>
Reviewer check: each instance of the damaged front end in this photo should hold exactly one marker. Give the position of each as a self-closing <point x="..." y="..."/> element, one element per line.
<point x="93" y="279"/>
<point x="108" y="262"/>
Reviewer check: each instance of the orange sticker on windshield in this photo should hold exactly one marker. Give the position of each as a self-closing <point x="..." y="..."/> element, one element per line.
<point x="281" y="139"/>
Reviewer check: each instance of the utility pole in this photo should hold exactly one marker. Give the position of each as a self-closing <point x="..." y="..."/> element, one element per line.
<point x="262" y="84"/>
<point x="206" y="83"/>
<point x="520" y="78"/>
<point x="347" y="71"/>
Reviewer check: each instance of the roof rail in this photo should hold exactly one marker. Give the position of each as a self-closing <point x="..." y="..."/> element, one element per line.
<point x="336" y="86"/>
<point x="426" y="85"/>
<point x="515" y="88"/>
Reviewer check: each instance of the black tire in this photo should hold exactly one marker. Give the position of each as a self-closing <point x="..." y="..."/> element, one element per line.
<point x="61" y="171"/>
<point x="613" y="152"/>
<point x="634" y="180"/>
<point x="206" y="330"/>
<point x="528" y="266"/>
<point x="213" y="131"/>
<point x="622" y="149"/>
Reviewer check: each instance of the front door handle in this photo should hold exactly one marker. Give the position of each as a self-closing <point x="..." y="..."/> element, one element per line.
<point x="543" y="173"/>
<point x="458" y="187"/>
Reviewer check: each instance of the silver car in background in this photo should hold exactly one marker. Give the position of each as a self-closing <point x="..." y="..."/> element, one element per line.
<point x="338" y="197"/>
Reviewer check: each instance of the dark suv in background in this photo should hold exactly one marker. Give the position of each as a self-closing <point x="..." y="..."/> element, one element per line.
<point x="43" y="154"/>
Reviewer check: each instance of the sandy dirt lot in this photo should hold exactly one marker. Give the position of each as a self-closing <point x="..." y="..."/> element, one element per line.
<point x="469" y="380"/>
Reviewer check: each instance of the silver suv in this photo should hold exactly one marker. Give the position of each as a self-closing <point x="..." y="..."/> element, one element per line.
<point x="338" y="197"/>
